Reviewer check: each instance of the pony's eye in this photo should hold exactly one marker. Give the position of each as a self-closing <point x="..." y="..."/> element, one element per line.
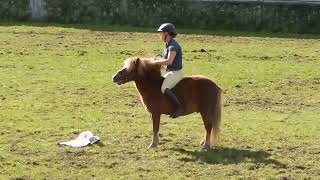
<point x="122" y="71"/>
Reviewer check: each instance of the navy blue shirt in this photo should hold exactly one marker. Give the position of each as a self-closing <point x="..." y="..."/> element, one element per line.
<point x="173" y="45"/>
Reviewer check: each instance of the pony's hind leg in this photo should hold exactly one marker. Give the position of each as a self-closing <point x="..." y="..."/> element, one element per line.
<point x="205" y="143"/>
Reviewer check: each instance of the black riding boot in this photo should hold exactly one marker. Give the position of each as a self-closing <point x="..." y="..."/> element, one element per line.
<point x="179" y="110"/>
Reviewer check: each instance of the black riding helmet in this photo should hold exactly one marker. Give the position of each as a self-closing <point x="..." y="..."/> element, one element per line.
<point x="168" y="27"/>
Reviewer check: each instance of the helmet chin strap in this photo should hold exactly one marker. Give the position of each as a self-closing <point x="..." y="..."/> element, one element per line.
<point x="166" y="37"/>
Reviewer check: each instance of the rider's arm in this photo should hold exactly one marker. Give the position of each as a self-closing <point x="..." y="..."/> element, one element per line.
<point x="168" y="61"/>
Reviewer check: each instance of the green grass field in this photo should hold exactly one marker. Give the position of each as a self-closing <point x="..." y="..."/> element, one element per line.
<point x="56" y="83"/>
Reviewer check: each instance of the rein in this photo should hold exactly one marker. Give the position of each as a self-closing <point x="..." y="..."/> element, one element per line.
<point x="158" y="55"/>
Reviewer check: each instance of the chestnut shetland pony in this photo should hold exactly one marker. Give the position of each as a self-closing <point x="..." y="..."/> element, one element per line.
<point x="196" y="94"/>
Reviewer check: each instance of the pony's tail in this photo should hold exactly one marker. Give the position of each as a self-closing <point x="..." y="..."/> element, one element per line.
<point x="215" y="131"/>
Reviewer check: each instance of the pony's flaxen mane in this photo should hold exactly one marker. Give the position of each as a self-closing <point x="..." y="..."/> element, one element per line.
<point x="143" y="66"/>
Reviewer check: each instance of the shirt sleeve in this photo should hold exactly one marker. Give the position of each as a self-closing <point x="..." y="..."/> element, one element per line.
<point x="172" y="48"/>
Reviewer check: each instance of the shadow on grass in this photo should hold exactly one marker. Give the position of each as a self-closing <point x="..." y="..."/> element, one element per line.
<point x="126" y="28"/>
<point x="228" y="156"/>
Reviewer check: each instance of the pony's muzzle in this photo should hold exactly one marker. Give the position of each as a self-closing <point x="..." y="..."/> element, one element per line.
<point x="114" y="78"/>
<point x="118" y="79"/>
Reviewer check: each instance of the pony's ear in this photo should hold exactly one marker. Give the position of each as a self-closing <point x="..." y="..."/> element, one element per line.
<point x="139" y="66"/>
<point x="138" y="61"/>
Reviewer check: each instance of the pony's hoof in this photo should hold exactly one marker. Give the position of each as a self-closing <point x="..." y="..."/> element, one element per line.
<point x="204" y="148"/>
<point x="153" y="145"/>
<point x="202" y="142"/>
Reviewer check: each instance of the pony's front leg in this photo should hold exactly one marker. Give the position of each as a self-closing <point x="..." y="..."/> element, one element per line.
<point x="156" y="124"/>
